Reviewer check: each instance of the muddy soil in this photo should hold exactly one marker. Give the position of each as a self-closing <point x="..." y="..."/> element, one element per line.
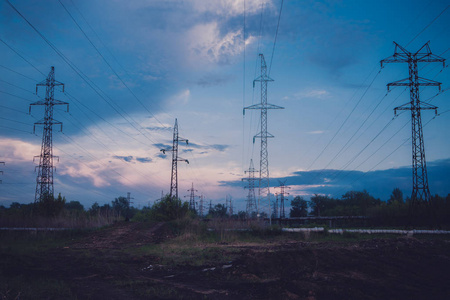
<point x="104" y="265"/>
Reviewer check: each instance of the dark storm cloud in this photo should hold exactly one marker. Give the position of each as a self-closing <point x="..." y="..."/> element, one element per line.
<point x="378" y="183"/>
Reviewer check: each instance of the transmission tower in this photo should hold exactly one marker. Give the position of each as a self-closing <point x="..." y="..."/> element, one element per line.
<point x="251" y="198"/>
<point x="44" y="180"/>
<point x="421" y="191"/>
<point x="175" y="160"/>
<point x="192" y="197"/>
<point x="264" y="185"/>
<point x="282" y="193"/>
<point x="1" y="172"/>
<point x="229" y="205"/>
<point x="200" y="208"/>
<point x="129" y="198"/>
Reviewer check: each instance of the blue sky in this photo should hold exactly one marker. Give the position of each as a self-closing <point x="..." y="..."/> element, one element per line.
<point x="137" y="65"/>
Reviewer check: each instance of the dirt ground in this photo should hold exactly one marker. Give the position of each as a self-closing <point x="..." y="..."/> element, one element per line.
<point x="112" y="264"/>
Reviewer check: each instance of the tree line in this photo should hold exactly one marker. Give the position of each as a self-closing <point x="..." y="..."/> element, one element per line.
<point x="396" y="211"/>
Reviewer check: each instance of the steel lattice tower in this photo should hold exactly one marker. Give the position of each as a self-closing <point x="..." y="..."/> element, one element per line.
<point x="1" y="172"/>
<point x="200" y="208"/>
<point x="264" y="185"/>
<point x="192" y="197"/>
<point x="420" y="190"/>
<point x="44" y="180"/>
<point x="282" y="194"/>
<point x="175" y="160"/>
<point x="251" y="198"/>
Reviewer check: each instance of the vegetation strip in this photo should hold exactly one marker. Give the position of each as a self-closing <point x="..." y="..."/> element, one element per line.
<point x="369" y="231"/>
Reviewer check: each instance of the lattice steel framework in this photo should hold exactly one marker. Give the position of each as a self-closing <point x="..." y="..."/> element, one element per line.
<point x="282" y="193"/>
<point x="251" y="197"/>
<point x="264" y="184"/>
<point x="44" y="179"/>
<point x="175" y="160"/>
<point x="421" y="191"/>
<point x="1" y="172"/>
<point x="192" y="198"/>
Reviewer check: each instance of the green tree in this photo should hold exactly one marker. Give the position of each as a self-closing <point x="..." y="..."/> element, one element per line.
<point x="169" y="208"/>
<point x="49" y="206"/>
<point x="120" y="205"/>
<point x="74" y="205"/>
<point x="299" y="207"/>
<point x="218" y="211"/>
<point x="396" y="196"/>
<point x="319" y="204"/>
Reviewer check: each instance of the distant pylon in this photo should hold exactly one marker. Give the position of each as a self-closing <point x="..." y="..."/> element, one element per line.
<point x="421" y="189"/>
<point x="251" y="198"/>
<point x="44" y="180"/>
<point x="282" y="193"/>
<point x="1" y="163"/>
<point x="175" y="160"/>
<point x="201" y="206"/>
<point x="264" y="185"/>
<point x="192" y="197"/>
<point x="229" y="205"/>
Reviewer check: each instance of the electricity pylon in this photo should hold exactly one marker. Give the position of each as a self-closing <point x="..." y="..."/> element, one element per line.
<point x="201" y="207"/>
<point x="282" y="193"/>
<point x="192" y="197"/>
<point x="229" y="205"/>
<point x="251" y="198"/>
<point x="44" y="179"/>
<point x="421" y="191"/>
<point x="1" y="172"/>
<point x="175" y="160"/>
<point x="264" y="185"/>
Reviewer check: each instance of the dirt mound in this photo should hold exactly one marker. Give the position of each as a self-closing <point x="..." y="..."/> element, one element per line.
<point x="124" y="235"/>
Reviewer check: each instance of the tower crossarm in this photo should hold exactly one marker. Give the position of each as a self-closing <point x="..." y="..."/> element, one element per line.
<point x="402" y="55"/>
<point x="420" y="82"/>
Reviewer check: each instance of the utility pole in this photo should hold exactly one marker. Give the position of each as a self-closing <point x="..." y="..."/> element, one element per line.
<point x="175" y="160"/>
<point x="264" y="185"/>
<point x="192" y="197"/>
<point x="421" y="191"/>
<point x="44" y="180"/>
<point x="282" y="194"/>
<point x="251" y="198"/>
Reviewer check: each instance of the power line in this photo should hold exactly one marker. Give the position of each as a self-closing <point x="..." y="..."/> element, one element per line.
<point x="15" y="51"/>
<point x="109" y="65"/>
<point x="345" y="121"/>
<point x="80" y="73"/>
<point x="276" y="34"/>
<point x="429" y="24"/>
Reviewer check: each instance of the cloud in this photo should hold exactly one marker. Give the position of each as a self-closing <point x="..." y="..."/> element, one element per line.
<point x="211" y="79"/>
<point x="316" y="94"/>
<point x="144" y="159"/>
<point x="125" y="158"/>
<point x="378" y="183"/>
<point x="207" y="43"/>
<point x="230" y="8"/>
<point x="316" y="132"/>
<point x="14" y="149"/>
<point x="217" y="147"/>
